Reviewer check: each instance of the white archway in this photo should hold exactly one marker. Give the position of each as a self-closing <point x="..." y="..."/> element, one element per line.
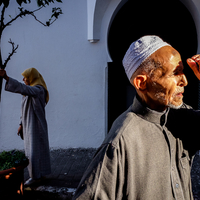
<point x="194" y="8"/>
<point x="97" y="10"/>
<point x="95" y="13"/>
<point x="100" y="16"/>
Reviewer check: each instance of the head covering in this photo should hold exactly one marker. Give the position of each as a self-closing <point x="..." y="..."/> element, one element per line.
<point x="139" y="51"/>
<point x="35" y="78"/>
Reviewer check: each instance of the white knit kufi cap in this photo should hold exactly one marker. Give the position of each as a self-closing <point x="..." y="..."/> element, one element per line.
<point x="139" y="51"/>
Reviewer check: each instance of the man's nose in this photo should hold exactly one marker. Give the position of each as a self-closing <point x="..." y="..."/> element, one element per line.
<point x="183" y="82"/>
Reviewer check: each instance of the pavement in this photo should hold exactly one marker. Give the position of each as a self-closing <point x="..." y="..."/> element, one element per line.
<point x="68" y="166"/>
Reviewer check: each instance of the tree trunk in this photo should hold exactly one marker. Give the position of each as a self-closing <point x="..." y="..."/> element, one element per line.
<point x="1" y="83"/>
<point x="1" y="66"/>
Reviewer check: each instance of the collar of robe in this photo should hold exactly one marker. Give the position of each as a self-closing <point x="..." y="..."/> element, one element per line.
<point x="148" y="114"/>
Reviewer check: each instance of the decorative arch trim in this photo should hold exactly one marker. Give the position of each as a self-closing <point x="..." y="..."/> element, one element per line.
<point x="95" y="13"/>
<point x="194" y="8"/>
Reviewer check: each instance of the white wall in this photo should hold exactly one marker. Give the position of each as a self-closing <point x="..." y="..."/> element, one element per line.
<point x="74" y="70"/>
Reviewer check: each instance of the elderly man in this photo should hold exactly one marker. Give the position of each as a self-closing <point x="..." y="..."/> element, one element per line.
<point x="146" y="155"/>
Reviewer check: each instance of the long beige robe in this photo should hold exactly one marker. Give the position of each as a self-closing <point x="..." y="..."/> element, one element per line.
<point x="34" y="124"/>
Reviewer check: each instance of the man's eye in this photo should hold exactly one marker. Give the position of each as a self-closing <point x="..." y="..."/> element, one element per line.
<point x="178" y="72"/>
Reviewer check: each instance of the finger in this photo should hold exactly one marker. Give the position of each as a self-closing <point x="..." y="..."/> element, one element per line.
<point x="194" y="66"/>
<point x="196" y="58"/>
<point x="2" y="72"/>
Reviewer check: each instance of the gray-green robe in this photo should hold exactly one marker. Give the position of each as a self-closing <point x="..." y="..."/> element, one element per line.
<point x="140" y="159"/>
<point x="34" y="127"/>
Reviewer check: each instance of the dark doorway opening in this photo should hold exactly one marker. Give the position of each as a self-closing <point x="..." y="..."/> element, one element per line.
<point x="168" y="19"/>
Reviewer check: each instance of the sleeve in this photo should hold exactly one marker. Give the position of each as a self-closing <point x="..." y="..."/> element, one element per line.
<point x="14" y="86"/>
<point x="104" y="177"/>
<point x="20" y="121"/>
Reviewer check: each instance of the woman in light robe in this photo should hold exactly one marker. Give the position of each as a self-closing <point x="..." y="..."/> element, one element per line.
<point x="33" y="123"/>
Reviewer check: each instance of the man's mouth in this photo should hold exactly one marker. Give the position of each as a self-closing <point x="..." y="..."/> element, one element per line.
<point x="179" y="92"/>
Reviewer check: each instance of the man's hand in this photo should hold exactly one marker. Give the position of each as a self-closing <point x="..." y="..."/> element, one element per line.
<point x="3" y="74"/>
<point x="194" y="64"/>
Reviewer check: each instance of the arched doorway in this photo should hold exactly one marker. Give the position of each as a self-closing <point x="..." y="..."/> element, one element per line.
<point x="168" y="19"/>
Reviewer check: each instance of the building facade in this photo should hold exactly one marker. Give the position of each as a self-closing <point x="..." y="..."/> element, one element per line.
<point x="80" y="57"/>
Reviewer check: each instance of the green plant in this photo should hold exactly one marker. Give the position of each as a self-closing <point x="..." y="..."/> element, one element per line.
<point x="9" y="159"/>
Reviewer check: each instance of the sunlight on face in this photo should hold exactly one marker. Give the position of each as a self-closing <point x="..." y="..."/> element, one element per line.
<point x="166" y="84"/>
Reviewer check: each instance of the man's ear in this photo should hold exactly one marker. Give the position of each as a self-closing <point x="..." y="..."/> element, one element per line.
<point x="140" y="82"/>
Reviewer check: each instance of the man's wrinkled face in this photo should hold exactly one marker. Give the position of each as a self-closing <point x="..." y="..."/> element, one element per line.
<point x="166" y="84"/>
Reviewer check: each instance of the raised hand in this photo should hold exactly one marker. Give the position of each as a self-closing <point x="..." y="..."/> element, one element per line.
<point x="194" y="64"/>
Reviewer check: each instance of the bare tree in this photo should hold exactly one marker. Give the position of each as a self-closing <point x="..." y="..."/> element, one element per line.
<point x="4" y="4"/>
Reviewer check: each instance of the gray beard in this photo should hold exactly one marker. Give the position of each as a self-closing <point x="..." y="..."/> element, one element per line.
<point x="174" y="107"/>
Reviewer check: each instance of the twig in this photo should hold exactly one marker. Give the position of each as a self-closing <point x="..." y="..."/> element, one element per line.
<point x="37" y="19"/>
<point x="10" y="54"/>
<point x="21" y="14"/>
<point x="2" y="16"/>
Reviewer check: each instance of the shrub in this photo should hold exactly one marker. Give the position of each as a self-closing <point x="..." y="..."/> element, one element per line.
<point x="9" y="159"/>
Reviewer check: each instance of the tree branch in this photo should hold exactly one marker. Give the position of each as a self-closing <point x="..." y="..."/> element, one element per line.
<point x="21" y="14"/>
<point x="37" y="19"/>
<point x="2" y="17"/>
<point x="10" y="54"/>
<point x="26" y="12"/>
<point x="1" y="29"/>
